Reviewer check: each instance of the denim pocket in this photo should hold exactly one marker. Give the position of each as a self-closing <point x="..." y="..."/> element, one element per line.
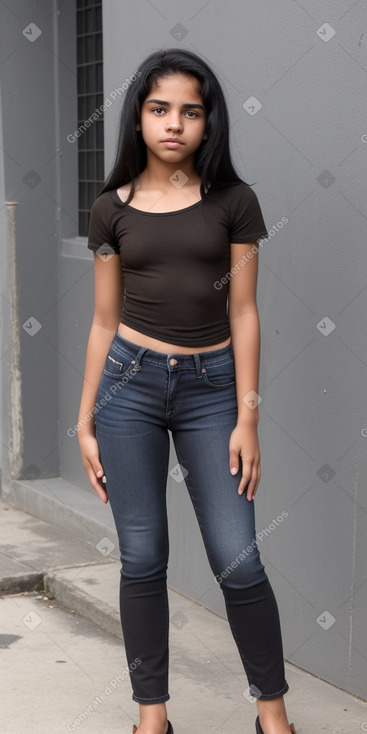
<point x="219" y="375"/>
<point x="117" y="364"/>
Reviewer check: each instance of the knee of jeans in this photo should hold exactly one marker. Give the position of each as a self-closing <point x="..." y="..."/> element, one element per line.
<point x="139" y="565"/>
<point x="244" y="571"/>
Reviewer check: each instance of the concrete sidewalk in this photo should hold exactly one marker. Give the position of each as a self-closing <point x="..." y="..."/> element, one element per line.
<point x="207" y="682"/>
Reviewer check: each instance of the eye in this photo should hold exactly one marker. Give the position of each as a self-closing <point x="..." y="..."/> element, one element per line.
<point x="158" y="109"/>
<point x="195" y="114"/>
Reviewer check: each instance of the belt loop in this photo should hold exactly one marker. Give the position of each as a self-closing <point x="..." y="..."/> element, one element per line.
<point x="197" y="364"/>
<point x="136" y="361"/>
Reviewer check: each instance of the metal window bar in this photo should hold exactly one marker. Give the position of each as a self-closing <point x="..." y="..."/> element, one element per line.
<point x="90" y="99"/>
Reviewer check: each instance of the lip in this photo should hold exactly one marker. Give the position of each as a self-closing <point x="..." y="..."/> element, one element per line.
<point x="172" y="142"/>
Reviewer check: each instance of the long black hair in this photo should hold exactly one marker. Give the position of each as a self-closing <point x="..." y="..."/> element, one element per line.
<point x="212" y="160"/>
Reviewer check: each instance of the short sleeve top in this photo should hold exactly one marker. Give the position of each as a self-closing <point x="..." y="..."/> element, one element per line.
<point x="176" y="265"/>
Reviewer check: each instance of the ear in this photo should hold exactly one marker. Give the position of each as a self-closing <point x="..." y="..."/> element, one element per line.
<point x="137" y="126"/>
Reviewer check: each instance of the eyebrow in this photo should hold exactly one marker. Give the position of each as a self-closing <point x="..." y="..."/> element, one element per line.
<point x="188" y="106"/>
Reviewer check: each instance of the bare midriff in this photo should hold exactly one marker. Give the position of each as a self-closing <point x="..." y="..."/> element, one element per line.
<point x="143" y="340"/>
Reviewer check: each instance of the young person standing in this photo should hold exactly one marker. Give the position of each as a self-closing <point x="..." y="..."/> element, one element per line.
<point x="166" y="353"/>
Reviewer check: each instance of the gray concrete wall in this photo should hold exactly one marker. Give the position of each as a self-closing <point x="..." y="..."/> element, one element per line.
<point x="2" y="272"/>
<point x="28" y="74"/>
<point x="305" y="148"/>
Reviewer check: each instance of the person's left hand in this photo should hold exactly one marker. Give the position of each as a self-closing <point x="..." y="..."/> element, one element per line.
<point x="244" y="443"/>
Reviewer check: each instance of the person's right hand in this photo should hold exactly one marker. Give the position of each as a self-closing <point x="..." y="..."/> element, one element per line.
<point x="90" y="457"/>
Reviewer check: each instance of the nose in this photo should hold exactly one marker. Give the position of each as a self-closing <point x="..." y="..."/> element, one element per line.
<point x="174" y="122"/>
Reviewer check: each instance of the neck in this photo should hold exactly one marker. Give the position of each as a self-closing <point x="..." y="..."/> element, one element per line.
<point x="157" y="173"/>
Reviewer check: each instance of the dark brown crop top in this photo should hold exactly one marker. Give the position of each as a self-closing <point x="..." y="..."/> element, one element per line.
<point x="173" y="262"/>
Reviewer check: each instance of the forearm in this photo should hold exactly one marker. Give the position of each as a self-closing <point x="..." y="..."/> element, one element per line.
<point x="245" y="334"/>
<point x="99" y="341"/>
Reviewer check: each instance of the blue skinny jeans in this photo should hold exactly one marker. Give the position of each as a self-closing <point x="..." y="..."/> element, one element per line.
<point x="143" y="394"/>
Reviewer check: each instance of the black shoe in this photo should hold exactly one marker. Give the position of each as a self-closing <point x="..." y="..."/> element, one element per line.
<point x="259" y="730"/>
<point x="169" y="730"/>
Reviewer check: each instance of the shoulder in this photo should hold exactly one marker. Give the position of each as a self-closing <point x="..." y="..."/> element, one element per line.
<point x="233" y="198"/>
<point x="241" y="209"/>
<point x="105" y="210"/>
<point x="103" y="217"/>
<point x="124" y="191"/>
<point x="233" y="193"/>
<point x="103" y="203"/>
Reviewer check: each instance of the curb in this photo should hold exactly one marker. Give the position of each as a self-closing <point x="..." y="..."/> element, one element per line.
<point x="72" y="598"/>
<point x="67" y="596"/>
<point x="17" y="584"/>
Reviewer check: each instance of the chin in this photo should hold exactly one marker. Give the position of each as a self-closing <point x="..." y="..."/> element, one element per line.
<point x="175" y="154"/>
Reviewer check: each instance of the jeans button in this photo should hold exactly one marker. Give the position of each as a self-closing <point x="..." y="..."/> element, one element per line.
<point x="173" y="362"/>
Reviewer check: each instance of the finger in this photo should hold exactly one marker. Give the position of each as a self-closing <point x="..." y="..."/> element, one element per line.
<point x="246" y="476"/>
<point x="99" y="474"/>
<point x="253" y="485"/>
<point x="95" y="482"/>
<point x="234" y="461"/>
<point x="97" y="466"/>
<point x="250" y="494"/>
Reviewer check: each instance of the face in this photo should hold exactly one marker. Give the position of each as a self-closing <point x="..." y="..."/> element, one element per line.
<point x="173" y="118"/>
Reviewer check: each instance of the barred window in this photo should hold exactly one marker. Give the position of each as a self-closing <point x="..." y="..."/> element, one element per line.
<point x="90" y="99"/>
